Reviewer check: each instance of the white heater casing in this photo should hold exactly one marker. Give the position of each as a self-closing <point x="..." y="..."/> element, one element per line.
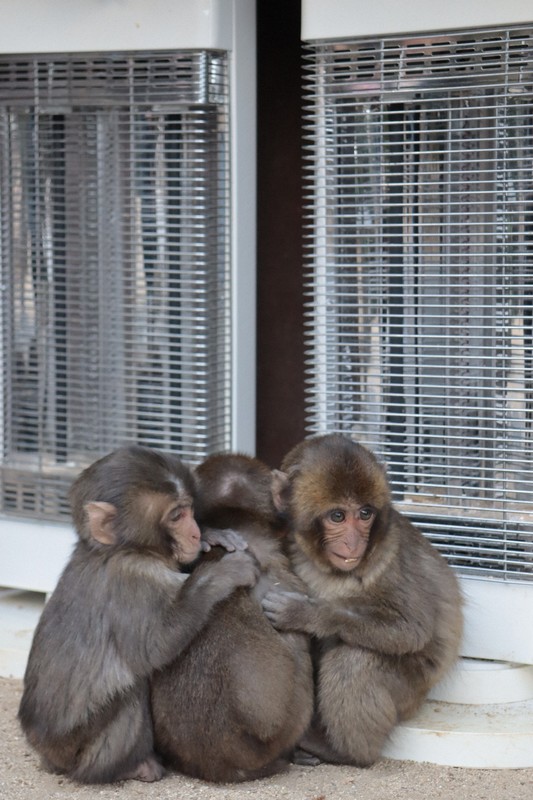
<point x="349" y="18"/>
<point x="495" y="611"/>
<point x="33" y="553"/>
<point x="481" y="715"/>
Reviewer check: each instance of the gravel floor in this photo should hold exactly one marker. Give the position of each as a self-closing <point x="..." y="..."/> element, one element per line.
<point x="22" y="779"/>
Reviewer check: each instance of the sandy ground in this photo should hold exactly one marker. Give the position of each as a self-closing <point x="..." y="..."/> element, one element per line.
<point x="22" y="779"/>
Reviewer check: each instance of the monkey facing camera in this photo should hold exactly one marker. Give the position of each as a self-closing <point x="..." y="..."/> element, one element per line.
<point x="382" y="604"/>
<point x="121" y="610"/>
<point x="235" y="704"/>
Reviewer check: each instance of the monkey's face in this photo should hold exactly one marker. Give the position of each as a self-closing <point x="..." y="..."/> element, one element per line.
<point x="182" y="531"/>
<point x="345" y="535"/>
<point x="338" y="501"/>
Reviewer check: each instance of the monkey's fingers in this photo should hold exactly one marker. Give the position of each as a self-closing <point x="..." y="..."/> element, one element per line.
<point x="285" y="598"/>
<point x="227" y="538"/>
<point x="274" y="604"/>
<point x="288" y="610"/>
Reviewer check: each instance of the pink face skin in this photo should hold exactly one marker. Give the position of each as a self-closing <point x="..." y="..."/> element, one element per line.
<point x="346" y="534"/>
<point x="180" y="523"/>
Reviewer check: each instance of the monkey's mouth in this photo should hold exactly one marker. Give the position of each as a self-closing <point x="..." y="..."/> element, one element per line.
<point x="343" y="562"/>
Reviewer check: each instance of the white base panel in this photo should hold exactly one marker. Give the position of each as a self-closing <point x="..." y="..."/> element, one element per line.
<point x="476" y="682"/>
<point x="494" y="620"/>
<point x="19" y="614"/>
<point x="33" y="554"/>
<point x="482" y="737"/>
<point x="480" y="716"/>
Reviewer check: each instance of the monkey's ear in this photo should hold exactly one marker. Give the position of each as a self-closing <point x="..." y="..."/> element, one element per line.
<point x="279" y="487"/>
<point x="101" y="517"/>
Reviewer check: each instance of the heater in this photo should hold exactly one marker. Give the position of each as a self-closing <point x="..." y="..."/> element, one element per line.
<point x="126" y="248"/>
<point x="419" y="139"/>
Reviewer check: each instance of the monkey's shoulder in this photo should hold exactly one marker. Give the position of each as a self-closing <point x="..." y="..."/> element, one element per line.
<point x="92" y="580"/>
<point x="148" y="567"/>
<point x="417" y="553"/>
<point x="422" y="572"/>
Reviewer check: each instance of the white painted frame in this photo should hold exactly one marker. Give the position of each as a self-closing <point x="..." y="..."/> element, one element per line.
<point x="341" y="19"/>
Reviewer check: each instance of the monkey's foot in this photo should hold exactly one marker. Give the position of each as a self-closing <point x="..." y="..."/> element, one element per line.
<point x="304" y="759"/>
<point x="149" y="770"/>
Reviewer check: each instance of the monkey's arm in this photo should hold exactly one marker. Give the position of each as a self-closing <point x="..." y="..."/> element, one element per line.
<point x="161" y="625"/>
<point x="375" y="627"/>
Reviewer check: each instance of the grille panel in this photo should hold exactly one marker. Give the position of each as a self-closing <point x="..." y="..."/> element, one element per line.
<point x="114" y="181"/>
<point x="420" y="317"/>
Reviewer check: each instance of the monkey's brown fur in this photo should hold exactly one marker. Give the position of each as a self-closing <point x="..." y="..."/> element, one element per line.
<point x="232" y="707"/>
<point x="388" y="627"/>
<point x="120" y="610"/>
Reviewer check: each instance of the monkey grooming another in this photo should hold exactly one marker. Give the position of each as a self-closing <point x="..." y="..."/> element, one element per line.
<point x="121" y="610"/>
<point x="235" y="703"/>
<point x="383" y="605"/>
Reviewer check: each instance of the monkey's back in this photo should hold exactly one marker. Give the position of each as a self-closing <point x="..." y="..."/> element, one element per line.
<point x="233" y="706"/>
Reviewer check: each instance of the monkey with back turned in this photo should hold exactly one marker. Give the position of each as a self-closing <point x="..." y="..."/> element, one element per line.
<point x="382" y="604"/>
<point x="233" y="706"/>
<point x="121" y="610"/>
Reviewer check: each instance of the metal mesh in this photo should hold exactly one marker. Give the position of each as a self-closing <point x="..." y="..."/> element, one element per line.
<point x="420" y="320"/>
<point x="115" y="320"/>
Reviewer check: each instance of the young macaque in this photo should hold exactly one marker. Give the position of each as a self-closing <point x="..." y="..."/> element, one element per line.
<point x="235" y="703"/>
<point x="382" y="603"/>
<point x="121" y="610"/>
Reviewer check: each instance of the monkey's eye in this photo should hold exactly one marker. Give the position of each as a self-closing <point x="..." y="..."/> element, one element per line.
<point x="175" y="514"/>
<point x="337" y="515"/>
<point x="366" y="513"/>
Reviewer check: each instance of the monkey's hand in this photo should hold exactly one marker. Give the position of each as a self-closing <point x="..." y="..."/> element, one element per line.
<point x="209" y="584"/>
<point x="289" y="611"/>
<point x="227" y="538"/>
<point x="218" y="579"/>
<point x="240" y="567"/>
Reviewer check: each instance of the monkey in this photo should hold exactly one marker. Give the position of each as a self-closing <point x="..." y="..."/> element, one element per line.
<point x="233" y="706"/>
<point x="381" y="603"/>
<point x="121" y="609"/>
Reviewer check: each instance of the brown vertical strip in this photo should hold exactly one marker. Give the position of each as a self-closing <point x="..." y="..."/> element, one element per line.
<point x="280" y="368"/>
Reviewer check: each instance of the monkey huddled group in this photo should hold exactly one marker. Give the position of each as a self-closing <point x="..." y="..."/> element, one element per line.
<point x="301" y="625"/>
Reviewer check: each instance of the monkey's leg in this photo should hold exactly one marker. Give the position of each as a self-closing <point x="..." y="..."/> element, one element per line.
<point x="123" y="748"/>
<point x="355" y="703"/>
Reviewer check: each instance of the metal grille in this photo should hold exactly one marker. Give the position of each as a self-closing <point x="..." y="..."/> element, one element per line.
<point x="115" y="320"/>
<point x="420" y="320"/>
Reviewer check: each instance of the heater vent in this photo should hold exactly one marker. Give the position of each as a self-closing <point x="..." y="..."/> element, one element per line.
<point x="391" y="64"/>
<point x="420" y="315"/>
<point x="115" y="259"/>
<point x="176" y="78"/>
